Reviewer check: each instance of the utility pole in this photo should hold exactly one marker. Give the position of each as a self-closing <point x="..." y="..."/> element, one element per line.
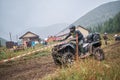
<point x="10" y="36"/>
<point x="76" y="55"/>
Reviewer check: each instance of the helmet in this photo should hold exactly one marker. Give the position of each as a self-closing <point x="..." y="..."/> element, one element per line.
<point x="72" y="28"/>
<point x="115" y="35"/>
<point x="105" y="33"/>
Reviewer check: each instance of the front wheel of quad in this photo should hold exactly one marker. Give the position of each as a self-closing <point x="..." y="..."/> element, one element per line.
<point x="57" y="58"/>
<point x="68" y="59"/>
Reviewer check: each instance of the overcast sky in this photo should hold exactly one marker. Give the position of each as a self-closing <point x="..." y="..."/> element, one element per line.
<point x="17" y="15"/>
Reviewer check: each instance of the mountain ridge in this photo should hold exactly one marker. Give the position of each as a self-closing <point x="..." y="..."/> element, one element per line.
<point x="99" y="15"/>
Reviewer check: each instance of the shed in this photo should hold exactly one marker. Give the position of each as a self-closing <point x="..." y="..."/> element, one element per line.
<point x="2" y="42"/>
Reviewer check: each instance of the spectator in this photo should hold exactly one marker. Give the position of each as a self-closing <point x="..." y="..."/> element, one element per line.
<point x="105" y="37"/>
<point x="33" y="44"/>
<point x="24" y="44"/>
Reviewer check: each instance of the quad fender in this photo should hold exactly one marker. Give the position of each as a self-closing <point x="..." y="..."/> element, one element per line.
<point x="68" y="46"/>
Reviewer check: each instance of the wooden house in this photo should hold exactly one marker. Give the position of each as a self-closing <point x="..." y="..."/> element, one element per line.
<point x="65" y="32"/>
<point x="29" y="36"/>
<point x="83" y="30"/>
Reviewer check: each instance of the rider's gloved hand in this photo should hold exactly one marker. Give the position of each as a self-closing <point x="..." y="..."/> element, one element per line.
<point x="72" y="39"/>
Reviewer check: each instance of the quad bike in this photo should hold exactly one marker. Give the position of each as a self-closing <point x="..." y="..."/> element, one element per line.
<point x="64" y="54"/>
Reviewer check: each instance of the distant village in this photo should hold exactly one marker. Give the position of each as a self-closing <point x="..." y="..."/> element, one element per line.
<point x="30" y="39"/>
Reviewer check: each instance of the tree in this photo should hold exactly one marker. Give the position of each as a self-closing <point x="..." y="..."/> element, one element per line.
<point x="110" y="26"/>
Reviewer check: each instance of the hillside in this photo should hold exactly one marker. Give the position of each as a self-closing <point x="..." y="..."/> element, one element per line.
<point x="99" y="15"/>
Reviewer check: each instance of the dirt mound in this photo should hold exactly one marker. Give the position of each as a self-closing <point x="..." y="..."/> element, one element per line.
<point x="32" y="69"/>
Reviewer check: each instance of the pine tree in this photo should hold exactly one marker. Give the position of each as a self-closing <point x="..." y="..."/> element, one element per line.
<point x="110" y="26"/>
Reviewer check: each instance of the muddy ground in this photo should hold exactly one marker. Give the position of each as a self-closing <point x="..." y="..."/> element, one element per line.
<point x="31" y="69"/>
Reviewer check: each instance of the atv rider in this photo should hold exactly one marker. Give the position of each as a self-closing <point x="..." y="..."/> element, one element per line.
<point x="73" y="33"/>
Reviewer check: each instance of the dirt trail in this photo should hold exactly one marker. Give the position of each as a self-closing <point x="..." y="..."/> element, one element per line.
<point x="32" y="69"/>
<point x="112" y="46"/>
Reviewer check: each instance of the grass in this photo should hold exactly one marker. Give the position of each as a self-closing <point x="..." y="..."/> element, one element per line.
<point x="90" y="69"/>
<point x="36" y="55"/>
<point x="25" y="59"/>
<point x="7" y="53"/>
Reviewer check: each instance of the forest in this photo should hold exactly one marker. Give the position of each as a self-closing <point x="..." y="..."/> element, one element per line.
<point x="110" y="26"/>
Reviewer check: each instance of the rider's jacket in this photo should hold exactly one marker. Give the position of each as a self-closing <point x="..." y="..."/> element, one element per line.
<point x="73" y="34"/>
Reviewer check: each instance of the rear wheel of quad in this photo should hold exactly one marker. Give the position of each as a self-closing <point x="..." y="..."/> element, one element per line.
<point x="99" y="54"/>
<point x="68" y="59"/>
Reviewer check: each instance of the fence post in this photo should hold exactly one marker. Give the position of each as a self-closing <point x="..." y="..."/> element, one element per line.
<point x="76" y="55"/>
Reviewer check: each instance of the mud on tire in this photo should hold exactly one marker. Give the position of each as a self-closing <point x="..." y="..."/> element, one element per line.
<point x="99" y="54"/>
<point x="67" y="59"/>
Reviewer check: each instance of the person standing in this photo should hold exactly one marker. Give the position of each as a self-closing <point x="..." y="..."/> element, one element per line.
<point x="105" y="37"/>
<point x="33" y="44"/>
